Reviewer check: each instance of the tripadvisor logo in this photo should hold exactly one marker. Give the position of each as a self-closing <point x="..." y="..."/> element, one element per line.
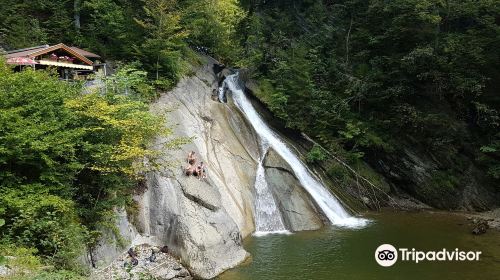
<point x="387" y="255"/>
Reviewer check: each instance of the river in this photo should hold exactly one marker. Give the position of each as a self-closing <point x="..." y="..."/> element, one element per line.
<point x="343" y="253"/>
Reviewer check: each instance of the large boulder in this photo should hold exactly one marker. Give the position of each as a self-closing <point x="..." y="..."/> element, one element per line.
<point x="112" y="243"/>
<point x="298" y="210"/>
<point x="187" y="215"/>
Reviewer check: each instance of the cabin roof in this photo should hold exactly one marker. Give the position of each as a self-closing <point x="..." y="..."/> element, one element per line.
<point x="85" y="53"/>
<point x="25" y="51"/>
<point x="39" y="50"/>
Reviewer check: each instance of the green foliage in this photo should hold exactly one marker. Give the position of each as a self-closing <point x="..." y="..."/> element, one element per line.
<point x="490" y="156"/>
<point x="108" y="27"/>
<point x="46" y="222"/>
<point x="131" y="81"/>
<point x="315" y="155"/>
<point x="338" y="173"/>
<point x="24" y="264"/>
<point x="162" y="47"/>
<point x="213" y="24"/>
<point x="67" y="159"/>
<point x="373" y="76"/>
<point x="157" y="33"/>
<point x="444" y="179"/>
<point x="58" y="275"/>
<point x="275" y="100"/>
<point x="19" y="30"/>
<point x="2" y="221"/>
<point x="22" y="260"/>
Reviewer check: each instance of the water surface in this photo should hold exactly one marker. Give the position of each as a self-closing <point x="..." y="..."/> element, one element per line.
<point x="342" y="253"/>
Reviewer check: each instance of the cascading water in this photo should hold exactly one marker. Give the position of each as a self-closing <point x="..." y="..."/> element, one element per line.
<point x="267" y="215"/>
<point x="222" y="89"/>
<point x="330" y="206"/>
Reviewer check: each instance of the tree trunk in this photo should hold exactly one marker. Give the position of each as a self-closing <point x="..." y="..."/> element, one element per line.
<point x="347" y="42"/>
<point x="157" y="67"/>
<point x="77" y="7"/>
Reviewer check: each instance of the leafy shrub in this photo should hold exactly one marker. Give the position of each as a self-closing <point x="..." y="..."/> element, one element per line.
<point x="315" y="155"/>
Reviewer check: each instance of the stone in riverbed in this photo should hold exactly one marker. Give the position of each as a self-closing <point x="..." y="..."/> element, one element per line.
<point x="480" y="226"/>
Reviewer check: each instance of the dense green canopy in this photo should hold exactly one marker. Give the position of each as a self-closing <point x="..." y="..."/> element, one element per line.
<point x="367" y="79"/>
<point x="67" y="159"/>
<point x="375" y="77"/>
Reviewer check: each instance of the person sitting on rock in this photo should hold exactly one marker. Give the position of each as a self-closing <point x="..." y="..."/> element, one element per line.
<point x="164" y="249"/>
<point x="189" y="170"/>
<point x="133" y="256"/>
<point x="135" y="262"/>
<point x="152" y="258"/>
<point x="196" y="171"/>
<point x="191" y="159"/>
<point x="202" y="171"/>
<point x="132" y="253"/>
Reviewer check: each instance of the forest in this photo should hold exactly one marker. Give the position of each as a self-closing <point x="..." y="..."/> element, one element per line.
<point x="367" y="80"/>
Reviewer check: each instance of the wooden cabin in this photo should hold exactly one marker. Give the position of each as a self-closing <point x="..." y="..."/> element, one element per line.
<point x="72" y="63"/>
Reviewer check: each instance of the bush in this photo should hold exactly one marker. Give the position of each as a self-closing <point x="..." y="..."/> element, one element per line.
<point x="46" y="222"/>
<point x="315" y="155"/>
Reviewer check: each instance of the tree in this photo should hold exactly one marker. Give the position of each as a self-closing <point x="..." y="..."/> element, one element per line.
<point x="67" y="160"/>
<point x="163" y="47"/>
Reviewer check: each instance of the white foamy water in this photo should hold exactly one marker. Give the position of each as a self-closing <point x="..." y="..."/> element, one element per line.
<point x="329" y="204"/>
<point x="267" y="215"/>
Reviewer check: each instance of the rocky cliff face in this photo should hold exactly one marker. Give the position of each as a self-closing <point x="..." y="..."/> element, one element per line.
<point x="424" y="176"/>
<point x="204" y="221"/>
<point x="297" y="208"/>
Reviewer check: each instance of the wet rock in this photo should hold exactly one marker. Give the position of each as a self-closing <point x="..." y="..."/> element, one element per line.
<point x="480" y="226"/>
<point x="218" y="67"/>
<point x="215" y="95"/>
<point x="491" y="217"/>
<point x="224" y="73"/>
<point x="296" y="206"/>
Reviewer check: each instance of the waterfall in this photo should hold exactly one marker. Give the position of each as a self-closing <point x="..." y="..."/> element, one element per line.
<point x="329" y="205"/>
<point x="267" y="215"/>
<point x="222" y="89"/>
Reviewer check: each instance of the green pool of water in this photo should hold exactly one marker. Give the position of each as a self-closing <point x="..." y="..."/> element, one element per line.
<point x="337" y="253"/>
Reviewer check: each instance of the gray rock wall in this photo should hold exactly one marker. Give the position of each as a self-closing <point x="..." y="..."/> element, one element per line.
<point x="297" y="208"/>
<point x="204" y="221"/>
